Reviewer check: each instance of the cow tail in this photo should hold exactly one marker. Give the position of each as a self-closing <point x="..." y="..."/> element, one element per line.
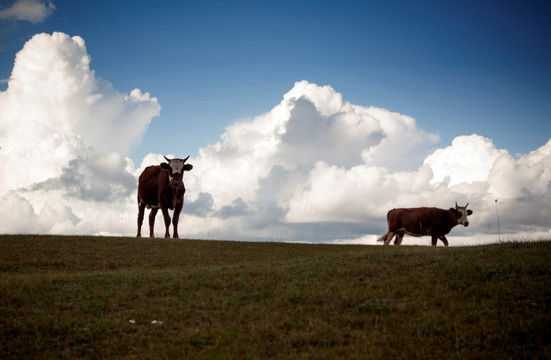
<point x="383" y="238"/>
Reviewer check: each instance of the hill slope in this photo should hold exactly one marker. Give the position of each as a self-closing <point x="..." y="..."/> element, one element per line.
<point x="125" y="297"/>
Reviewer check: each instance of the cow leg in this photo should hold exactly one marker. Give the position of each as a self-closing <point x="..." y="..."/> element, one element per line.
<point x="434" y="240"/>
<point x="141" y="210"/>
<point x="175" y="218"/>
<point x="152" y="215"/>
<point x="399" y="237"/>
<point x="166" y="216"/>
<point x="444" y="240"/>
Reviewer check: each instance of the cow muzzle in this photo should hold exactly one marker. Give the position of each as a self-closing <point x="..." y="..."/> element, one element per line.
<point x="176" y="180"/>
<point x="466" y="223"/>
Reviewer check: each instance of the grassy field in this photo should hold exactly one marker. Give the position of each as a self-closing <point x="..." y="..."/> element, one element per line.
<point x="97" y="297"/>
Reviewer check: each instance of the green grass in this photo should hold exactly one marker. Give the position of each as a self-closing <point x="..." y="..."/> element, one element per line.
<point x="75" y="297"/>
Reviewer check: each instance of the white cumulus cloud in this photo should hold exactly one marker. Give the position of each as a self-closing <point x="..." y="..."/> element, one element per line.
<point x="468" y="159"/>
<point x="35" y="11"/>
<point x="64" y="137"/>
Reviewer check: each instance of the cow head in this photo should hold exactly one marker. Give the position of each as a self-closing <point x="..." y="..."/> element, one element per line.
<point x="461" y="212"/>
<point x="176" y="168"/>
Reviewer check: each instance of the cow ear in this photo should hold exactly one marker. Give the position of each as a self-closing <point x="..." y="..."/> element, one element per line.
<point x="469" y="212"/>
<point x="165" y="166"/>
<point x="188" y="167"/>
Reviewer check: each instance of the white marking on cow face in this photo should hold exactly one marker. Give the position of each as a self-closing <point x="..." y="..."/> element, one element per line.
<point x="464" y="213"/>
<point x="177" y="165"/>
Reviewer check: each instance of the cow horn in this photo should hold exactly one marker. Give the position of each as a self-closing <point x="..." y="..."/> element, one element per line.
<point x="186" y="158"/>
<point x="456" y="205"/>
<point x="466" y="205"/>
<point x="166" y="158"/>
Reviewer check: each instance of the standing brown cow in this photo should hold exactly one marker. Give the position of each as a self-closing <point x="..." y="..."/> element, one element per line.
<point x="424" y="221"/>
<point x="162" y="187"/>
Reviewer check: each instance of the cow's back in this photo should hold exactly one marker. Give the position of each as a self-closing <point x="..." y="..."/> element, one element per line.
<point x="149" y="183"/>
<point x="411" y="218"/>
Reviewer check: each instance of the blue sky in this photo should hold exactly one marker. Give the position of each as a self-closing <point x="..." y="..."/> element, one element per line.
<point x="458" y="68"/>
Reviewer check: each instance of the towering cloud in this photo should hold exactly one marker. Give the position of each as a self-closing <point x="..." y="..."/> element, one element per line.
<point x="64" y="134"/>
<point x="313" y="168"/>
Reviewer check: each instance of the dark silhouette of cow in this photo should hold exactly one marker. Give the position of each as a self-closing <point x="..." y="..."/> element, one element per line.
<point x="162" y="187"/>
<point x="424" y="221"/>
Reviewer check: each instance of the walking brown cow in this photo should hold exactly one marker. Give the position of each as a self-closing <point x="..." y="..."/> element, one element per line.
<point x="162" y="187"/>
<point x="424" y="221"/>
